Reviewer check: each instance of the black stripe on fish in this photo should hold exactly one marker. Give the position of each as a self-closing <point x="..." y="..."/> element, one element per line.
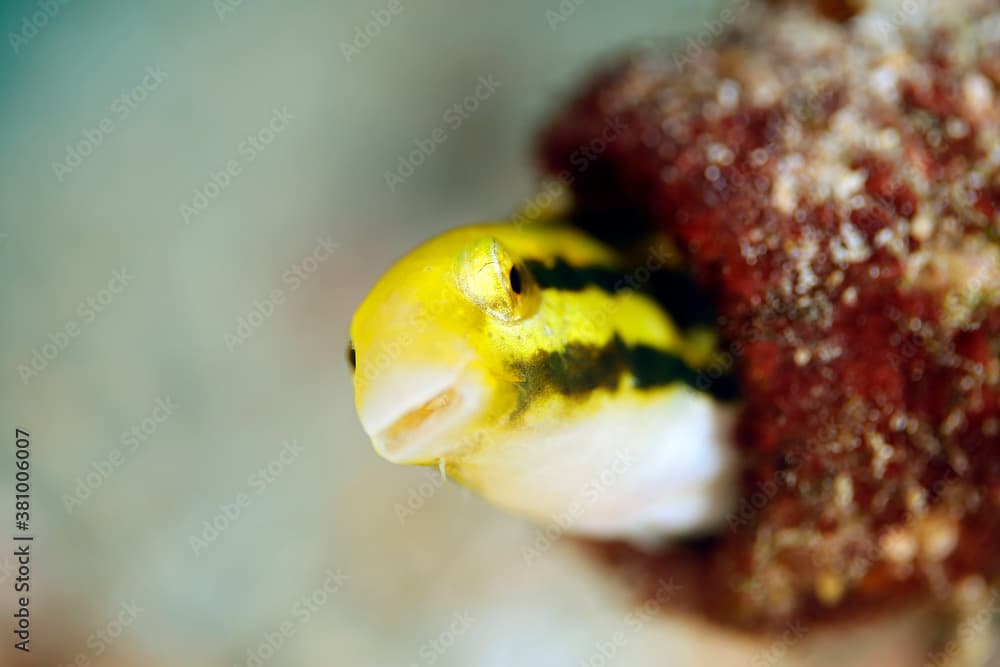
<point x="580" y="369"/>
<point x="562" y="275"/>
<point x="674" y="290"/>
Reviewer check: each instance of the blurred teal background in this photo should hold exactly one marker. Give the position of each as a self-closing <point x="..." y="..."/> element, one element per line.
<point x="170" y="170"/>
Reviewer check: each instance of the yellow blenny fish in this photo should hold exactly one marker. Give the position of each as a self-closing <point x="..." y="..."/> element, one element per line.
<point x="528" y="362"/>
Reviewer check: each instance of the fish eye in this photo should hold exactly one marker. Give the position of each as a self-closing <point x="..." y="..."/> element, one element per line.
<point x="352" y="356"/>
<point x="515" y="280"/>
<point x="493" y="279"/>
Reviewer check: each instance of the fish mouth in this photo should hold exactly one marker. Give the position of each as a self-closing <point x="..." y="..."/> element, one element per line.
<point x="397" y="438"/>
<point x="418" y="431"/>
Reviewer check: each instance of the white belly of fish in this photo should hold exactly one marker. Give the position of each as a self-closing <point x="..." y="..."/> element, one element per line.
<point x="641" y="466"/>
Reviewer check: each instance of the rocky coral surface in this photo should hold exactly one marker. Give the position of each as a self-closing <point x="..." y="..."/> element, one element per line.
<point x="833" y="179"/>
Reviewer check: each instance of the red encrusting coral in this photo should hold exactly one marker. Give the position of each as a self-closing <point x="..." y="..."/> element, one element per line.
<point x="835" y="188"/>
